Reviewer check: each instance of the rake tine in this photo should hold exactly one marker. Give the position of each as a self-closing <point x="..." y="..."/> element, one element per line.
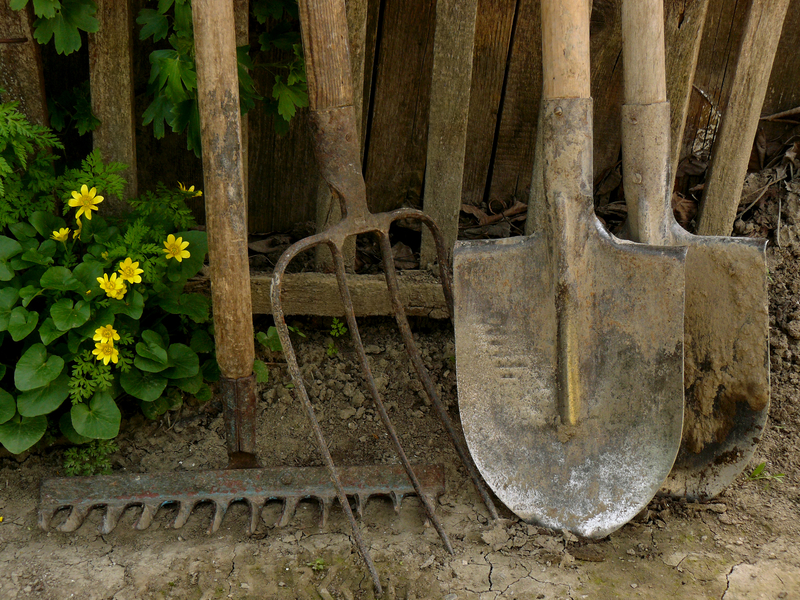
<point x="255" y="504"/>
<point x="344" y="292"/>
<point x="397" y="500"/>
<point x="45" y="518"/>
<point x="184" y="510"/>
<point x="359" y="506"/>
<point x="75" y="519"/>
<point x="325" y="504"/>
<point x="220" y="508"/>
<point x="419" y="367"/>
<point x="289" y="509"/>
<point x="294" y="370"/>
<point x="111" y="518"/>
<point x="149" y="510"/>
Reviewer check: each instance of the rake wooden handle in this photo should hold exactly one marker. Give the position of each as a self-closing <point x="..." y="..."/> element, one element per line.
<point x="565" y="49"/>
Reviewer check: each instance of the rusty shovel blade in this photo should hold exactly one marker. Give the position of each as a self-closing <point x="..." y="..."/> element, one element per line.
<point x="569" y="353"/>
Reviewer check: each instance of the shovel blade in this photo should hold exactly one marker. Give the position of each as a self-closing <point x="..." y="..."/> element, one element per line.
<point x="595" y="475"/>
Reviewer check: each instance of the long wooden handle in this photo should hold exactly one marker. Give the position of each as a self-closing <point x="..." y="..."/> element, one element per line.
<point x="565" y="49"/>
<point x="327" y="53"/>
<point x="643" y="51"/>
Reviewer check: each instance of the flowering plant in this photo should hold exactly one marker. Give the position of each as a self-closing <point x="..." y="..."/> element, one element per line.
<point x="96" y="312"/>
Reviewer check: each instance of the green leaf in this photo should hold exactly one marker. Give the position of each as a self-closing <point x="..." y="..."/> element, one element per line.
<point x="66" y="316"/>
<point x="194" y="306"/>
<point x="48" y="332"/>
<point x="201" y="342"/>
<point x="46" y="8"/>
<point x="149" y="365"/>
<point x="66" y="24"/>
<point x="86" y="274"/>
<point x="8" y="298"/>
<point x="24" y="232"/>
<point x="20" y="433"/>
<point x="21" y="323"/>
<point x="204" y="395"/>
<point x="9" y="247"/>
<point x="59" y="278"/>
<point x="197" y="248"/>
<point x="132" y="305"/>
<point x="100" y="419"/>
<point x="261" y="371"/>
<point x="289" y="98"/>
<point x="35" y="369"/>
<point x="184" y="361"/>
<point x="65" y="424"/>
<point x="153" y="24"/>
<point x="8" y="407"/>
<point x="152" y="346"/>
<point x="190" y="385"/>
<point x="153" y="410"/>
<point x="158" y="113"/>
<point x="142" y="385"/>
<point x="18" y="4"/>
<point x="211" y="370"/>
<point x="44" y="400"/>
<point x="185" y="116"/>
<point x="46" y="223"/>
<point x="28" y="293"/>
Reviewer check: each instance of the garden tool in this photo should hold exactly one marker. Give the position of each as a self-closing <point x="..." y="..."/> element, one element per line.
<point x="336" y="146"/>
<point x="569" y="342"/>
<point x="230" y="283"/>
<point x="726" y="321"/>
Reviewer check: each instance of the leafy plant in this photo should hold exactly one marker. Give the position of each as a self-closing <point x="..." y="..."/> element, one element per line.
<point x="317" y="565"/>
<point x="90" y="459"/>
<point x="338" y="329"/>
<point x="96" y="311"/>
<point x="760" y="474"/>
<point x="72" y="108"/>
<point x="272" y="342"/>
<point x="62" y="21"/>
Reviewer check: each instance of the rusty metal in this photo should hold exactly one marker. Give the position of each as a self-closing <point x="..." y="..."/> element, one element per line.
<point x="726" y="320"/>
<point x="255" y="487"/>
<point x="239" y="405"/>
<point x="13" y="40"/>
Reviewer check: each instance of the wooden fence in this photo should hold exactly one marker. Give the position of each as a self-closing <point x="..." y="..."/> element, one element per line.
<point x="408" y="62"/>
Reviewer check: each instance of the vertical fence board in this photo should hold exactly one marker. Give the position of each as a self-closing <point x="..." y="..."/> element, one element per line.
<point x="395" y="161"/>
<point x="111" y="81"/>
<point x="492" y="41"/>
<point x="783" y="91"/>
<point x="21" y="74"/>
<point x="513" y="163"/>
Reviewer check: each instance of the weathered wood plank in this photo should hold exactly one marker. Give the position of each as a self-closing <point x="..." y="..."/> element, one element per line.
<point x="241" y="13"/>
<point x="493" y="26"/>
<point x="513" y="162"/>
<point x="218" y="98"/>
<point x="783" y="92"/>
<point x="733" y="145"/>
<point x="395" y="152"/>
<point x="447" y="124"/>
<point x="21" y="74"/>
<point x="683" y="32"/>
<point x="111" y="81"/>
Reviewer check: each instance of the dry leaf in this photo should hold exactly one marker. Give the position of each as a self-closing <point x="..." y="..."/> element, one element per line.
<point x="685" y="209"/>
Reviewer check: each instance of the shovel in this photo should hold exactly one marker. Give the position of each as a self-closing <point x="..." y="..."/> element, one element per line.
<point x="569" y="342"/>
<point x="726" y="321"/>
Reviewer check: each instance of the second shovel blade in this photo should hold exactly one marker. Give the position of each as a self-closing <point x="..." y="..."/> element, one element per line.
<point x="592" y="477"/>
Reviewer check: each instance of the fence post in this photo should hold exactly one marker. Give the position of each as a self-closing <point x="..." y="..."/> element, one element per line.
<point x="21" y="73"/>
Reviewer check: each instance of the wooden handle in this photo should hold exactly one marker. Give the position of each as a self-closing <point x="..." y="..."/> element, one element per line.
<point x="643" y="51"/>
<point x="565" y="48"/>
<point x="327" y="53"/>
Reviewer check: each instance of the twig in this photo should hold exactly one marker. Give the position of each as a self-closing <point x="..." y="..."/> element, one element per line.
<point x="786" y="113"/>
<point x="760" y="193"/>
<point x="778" y="233"/>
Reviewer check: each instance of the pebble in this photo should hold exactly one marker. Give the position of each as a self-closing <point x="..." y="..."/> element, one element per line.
<point x="346" y="413"/>
<point x="451" y="597"/>
<point x="428" y="562"/>
<point x="634" y="586"/>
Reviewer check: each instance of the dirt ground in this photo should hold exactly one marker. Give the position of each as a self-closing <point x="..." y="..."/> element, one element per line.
<point x="743" y="545"/>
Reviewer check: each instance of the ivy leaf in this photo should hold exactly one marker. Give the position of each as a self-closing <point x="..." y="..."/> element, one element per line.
<point x="21" y="323"/>
<point x="35" y="369"/>
<point x="186" y="116"/>
<point x="46" y="8"/>
<point x="261" y="371"/>
<point x="289" y="98"/>
<point x="100" y="419"/>
<point x="20" y="433"/>
<point x="18" y="4"/>
<point x="153" y="23"/>
<point x="65" y="25"/>
<point x="8" y="407"/>
<point x="173" y="73"/>
<point x="142" y="385"/>
<point x="44" y="400"/>
<point x="66" y="316"/>
<point x="158" y="113"/>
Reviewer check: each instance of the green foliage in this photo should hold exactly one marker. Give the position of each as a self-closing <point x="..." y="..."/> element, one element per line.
<point x="271" y="341"/>
<point x="338" y="329"/>
<point x="72" y="107"/>
<point x="62" y="21"/>
<point x="27" y="177"/>
<point x="317" y="565"/>
<point x="90" y="459"/>
<point x="95" y="312"/>
<point x="760" y="474"/>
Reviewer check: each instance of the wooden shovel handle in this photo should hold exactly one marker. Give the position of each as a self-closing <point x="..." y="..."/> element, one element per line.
<point x="565" y="49"/>
<point x="327" y="53"/>
<point x="643" y="51"/>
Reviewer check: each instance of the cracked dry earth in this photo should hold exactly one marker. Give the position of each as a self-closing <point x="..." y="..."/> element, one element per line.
<point x="741" y="546"/>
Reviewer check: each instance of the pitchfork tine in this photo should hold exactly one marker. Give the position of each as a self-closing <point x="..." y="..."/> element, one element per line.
<point x="344" y="292"/>
<point x="422" y="372"/>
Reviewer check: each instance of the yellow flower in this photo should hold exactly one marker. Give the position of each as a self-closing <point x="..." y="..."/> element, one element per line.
<point x="62" y="235"/>
<point x="77" y="234"/>
<point x="113" y="287"/>
<point x="130" y="271"/>
<point x="176" y="248"/>
<point x="190" y="190"/>
<point x="105" y="334"/>
<point x="105" y="351"/>
<point x="87" y="200"/>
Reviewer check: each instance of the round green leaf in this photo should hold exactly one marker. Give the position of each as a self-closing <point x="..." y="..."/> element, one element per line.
<point x="20" y="433"/>
<point x="261" y="371"/>
<point x="148" y="364"/>
<point x="65" y="424"/>
<point x="35" y="369"/>
<point x="99" y="420"/>
<point x="201" y="341"/>
<point x="8" y="407"/>
<point x="87" y="273"/>
<point x="184" y="361"/>
<point x="142" y="385"/>
<point x="44" y="400"/>
<point x="48" y="332"/>
<point x="8" y="298"/>
<point x="46" y="223"/>
<point x="59" y="278"/>
<point x="9" y="247"/>
<point x="66" y="316"/>
<point x="21" y="323"/>
<point x="132" y="305"/>
<point x="190" y="385"/>
<point x="204" y="395"/>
